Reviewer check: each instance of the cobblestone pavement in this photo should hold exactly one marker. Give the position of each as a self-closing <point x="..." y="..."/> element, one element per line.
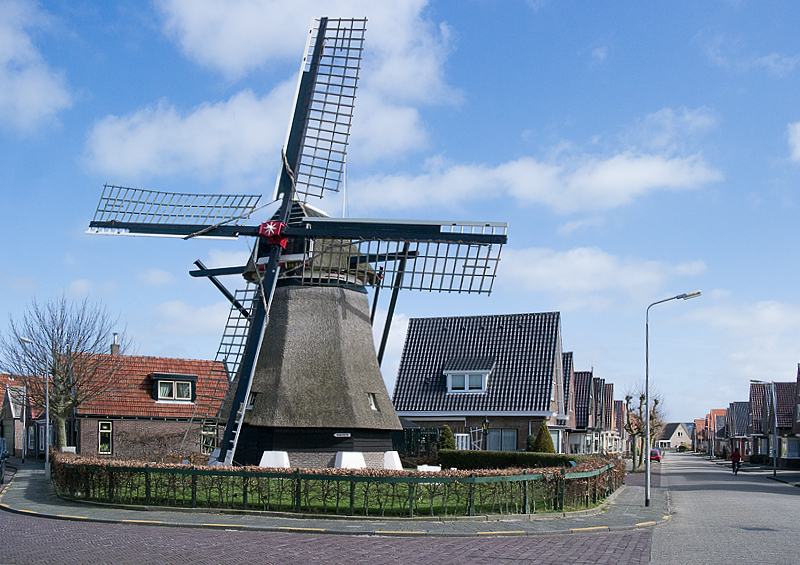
<point x="30" y="540"/>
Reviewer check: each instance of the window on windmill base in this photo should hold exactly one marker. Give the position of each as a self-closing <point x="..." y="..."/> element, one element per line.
<point x="208" y="438"/>
<point x="373" y="400"/>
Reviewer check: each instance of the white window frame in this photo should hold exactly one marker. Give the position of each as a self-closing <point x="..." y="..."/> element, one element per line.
<point x="174" y="396"/>
<point x="373" y="401"/>
<point x="105" y="427"/>
<point x="469" y="382"/>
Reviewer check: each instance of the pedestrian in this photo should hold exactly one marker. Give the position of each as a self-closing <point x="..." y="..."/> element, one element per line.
<point x="736" y="461"/>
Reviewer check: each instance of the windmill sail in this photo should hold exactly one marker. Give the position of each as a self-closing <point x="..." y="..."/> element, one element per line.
<point x="318" y="135"/>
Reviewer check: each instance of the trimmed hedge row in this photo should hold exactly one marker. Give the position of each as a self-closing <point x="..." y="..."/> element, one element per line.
<point x="466" y="460"/>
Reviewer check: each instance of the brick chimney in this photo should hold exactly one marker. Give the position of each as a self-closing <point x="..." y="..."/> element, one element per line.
<point x="115" y="346"/>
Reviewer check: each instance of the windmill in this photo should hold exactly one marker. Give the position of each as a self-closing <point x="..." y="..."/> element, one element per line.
<point x="307" y="377"/>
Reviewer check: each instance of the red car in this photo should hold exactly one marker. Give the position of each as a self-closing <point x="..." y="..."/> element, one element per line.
<point x="655" y="455"/>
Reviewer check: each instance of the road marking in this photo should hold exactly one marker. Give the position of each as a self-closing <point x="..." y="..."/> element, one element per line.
<point x="646" y="524"/>
<point x="143" y="521"/>
<point x="302" y="529"/>
<point x="26" y="511"/>
<point x="588" y="529"/>
<point x="398" y="532"/>
<point x="224" y="525"/>
<point x="68" y="516"/>
<point x="501" y="532"/>
<point x="665" y="517"/>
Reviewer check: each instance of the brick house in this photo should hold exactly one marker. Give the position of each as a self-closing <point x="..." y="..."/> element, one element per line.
<point x="155" y="402"/>
<point x="505" y="372"/>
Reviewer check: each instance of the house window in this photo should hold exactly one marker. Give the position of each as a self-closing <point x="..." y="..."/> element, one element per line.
<point x="467" y="382"/>
<point x="174" y="390"/>
<point x="174" y="387"/>
<point x="790" y="448"/>
<point x="31" y="437"/>
<point x="104" y="438"/>
<point x="501" y="439"/>
<point x="208" y="437"/>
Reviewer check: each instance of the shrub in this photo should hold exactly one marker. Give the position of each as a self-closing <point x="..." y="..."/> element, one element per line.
<point x="544" y="441"/>
<point x="446" y="439"/>
<point x="505" y="459"/>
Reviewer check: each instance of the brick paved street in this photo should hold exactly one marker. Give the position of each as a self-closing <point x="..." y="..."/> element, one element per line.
<point x="30" y="540"/>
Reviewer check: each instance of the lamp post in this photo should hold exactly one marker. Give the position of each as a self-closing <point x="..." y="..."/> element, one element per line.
<point x="46" y="412"/>
<point x="774" y="423"/>
<point x="684" y="296"/>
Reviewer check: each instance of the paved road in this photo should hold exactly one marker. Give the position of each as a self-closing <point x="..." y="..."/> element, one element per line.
<point x="721" y="518"/>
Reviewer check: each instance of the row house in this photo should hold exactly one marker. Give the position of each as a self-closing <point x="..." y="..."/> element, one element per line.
<point x="494" y="380"/>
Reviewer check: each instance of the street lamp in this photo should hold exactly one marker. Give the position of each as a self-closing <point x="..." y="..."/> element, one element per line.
<point x="684" y="296"/>
<point x="774" y="424"/>
<point x="46" y="412"/>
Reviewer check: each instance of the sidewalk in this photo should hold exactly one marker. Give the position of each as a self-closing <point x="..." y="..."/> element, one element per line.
<point x="788" y="476"/>
<point x="30" y="493"/>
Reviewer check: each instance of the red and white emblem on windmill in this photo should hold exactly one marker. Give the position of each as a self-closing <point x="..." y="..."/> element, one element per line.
<point x="271" y="231"/>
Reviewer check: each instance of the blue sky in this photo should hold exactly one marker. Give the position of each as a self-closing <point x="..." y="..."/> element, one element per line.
<point x="637" y="151"/>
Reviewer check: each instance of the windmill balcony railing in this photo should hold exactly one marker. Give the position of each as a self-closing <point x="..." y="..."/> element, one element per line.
<point x="318" y="492"/>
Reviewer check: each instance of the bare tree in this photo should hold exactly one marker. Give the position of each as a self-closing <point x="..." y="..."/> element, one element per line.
<point x="65" y="347"/>
<point x="636" y="425"/>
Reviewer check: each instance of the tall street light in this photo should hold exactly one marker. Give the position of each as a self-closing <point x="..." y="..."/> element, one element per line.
<point x="46" y="411"/>
<point x="774" y="423"/>
<point x="648" y="447"/>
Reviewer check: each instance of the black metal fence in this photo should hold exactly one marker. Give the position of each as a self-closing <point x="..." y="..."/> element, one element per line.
<point x="402" y="494"/>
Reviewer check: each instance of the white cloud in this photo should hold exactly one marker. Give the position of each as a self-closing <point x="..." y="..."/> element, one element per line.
<point x="218" y="258"/>
<point x="239" y="138"/>
<point x="79" y="289"/>
<point x="599" y="54"/>
<point x="587" y="277"/>
<point x="179" y="318"/>
<point x="30" y="91"/>
<point x="759" y="340"/>
<point x="577" y="225"/>
<point x="156" y="277"/>
<point x="670" y="129"/>
<point x="402" y="67"/>
<point x="588" y="183"/>
<point x="793" y="131"/>
<point x="727" y="53"/>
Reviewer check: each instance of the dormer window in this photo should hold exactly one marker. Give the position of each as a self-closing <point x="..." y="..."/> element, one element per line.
<point x="174" y="387"/>
<point x="468" y="374"/>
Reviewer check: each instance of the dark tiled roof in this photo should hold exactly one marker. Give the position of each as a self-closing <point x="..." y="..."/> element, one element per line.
<point x="133" y="394"/>
<point x="599" y="396"/>
<point x="569" y="381"/>
<point x="668" y="430"/>
<point x="469" y="364"/>
<point x="720" y="426"/>
<point x="608" y="407"/>
<point x="757" y="405"/>
<point x="524" y="347"/>
<point x="619" y="416"/>
<point x="785" y="393"/>
<point x="738" y="420"/>
<point x="583" y="398"/>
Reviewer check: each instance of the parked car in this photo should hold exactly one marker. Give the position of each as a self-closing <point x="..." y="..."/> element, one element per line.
<point x="655" y="455"/>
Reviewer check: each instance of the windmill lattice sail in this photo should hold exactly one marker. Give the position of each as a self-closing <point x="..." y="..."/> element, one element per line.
<point x="323" y="143"/>
<point x="134" y="211"/>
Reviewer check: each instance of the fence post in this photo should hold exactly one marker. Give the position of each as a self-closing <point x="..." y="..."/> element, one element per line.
<point x="110" y="484"/>
<point x="147" y="485"/>
<point x="352" y="495"/>
<point x="472" y="496"/>
<point x="594" y="488"/>
<point x="244" y="492"/>
<point x="297" y="492"/>
<point x="527" y="505"/>
<point x="411" y="497"/>
<point x="560" y="493"/>
<point x="194" y="488"/>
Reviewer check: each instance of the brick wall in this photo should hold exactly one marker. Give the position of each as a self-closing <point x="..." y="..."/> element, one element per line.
<point x="139" y="439"/>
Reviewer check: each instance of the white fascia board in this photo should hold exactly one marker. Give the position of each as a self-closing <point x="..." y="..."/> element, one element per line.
<point x="464" y="414"/>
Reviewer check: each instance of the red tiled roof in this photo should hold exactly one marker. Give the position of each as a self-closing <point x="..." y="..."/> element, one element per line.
<point x="133" y="395"/>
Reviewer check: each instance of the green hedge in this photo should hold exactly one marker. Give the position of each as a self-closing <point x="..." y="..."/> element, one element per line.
<point x="505" y="459"/>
